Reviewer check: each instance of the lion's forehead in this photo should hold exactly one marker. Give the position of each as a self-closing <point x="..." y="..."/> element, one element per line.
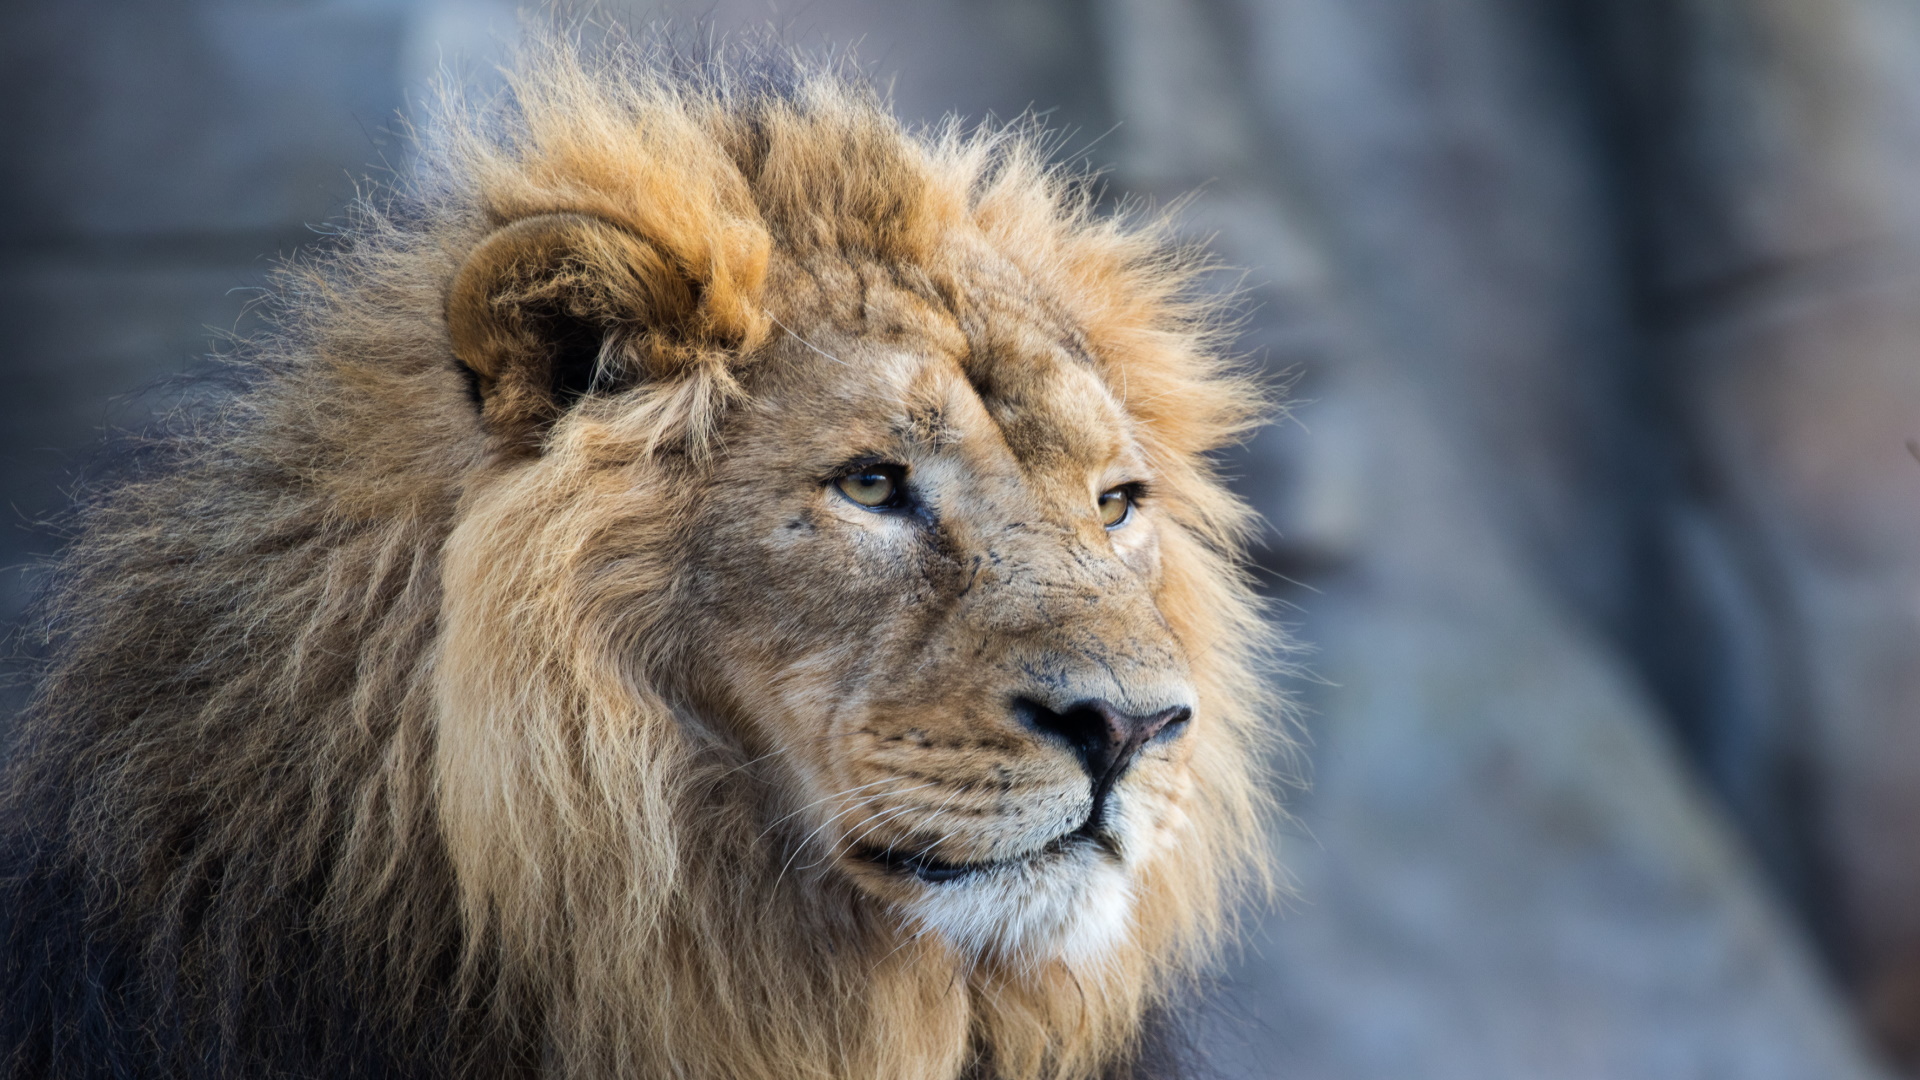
<point x="1034" y="408"/>
<point x="962" y="346"/>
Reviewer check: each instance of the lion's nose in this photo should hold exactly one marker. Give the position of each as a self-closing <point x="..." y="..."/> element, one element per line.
<point x="1105" y="739"/>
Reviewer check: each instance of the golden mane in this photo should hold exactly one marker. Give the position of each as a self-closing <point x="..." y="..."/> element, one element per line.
<point x="246" y="828"/>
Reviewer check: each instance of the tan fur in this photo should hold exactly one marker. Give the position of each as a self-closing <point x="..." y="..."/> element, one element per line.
<point x="631" y="678"/>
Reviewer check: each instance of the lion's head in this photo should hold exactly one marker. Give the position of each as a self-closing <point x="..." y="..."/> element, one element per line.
<point x="822" y="648"/>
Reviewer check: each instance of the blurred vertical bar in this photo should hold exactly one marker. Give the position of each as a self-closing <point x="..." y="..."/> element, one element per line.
<point x="1767" y="191"/>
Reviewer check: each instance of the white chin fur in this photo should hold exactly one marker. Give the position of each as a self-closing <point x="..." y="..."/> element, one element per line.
<point x="1073" y="909"/>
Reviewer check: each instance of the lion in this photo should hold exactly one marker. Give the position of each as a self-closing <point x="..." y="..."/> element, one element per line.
<point x="702" y="582"/>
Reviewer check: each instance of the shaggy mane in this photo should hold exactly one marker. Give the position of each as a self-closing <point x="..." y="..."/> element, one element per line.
<point x="225" y="847"/>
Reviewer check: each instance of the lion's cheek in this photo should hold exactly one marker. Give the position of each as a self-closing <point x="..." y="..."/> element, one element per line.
<point x="1156" y="813"/>
<point x="1138" y="546"/>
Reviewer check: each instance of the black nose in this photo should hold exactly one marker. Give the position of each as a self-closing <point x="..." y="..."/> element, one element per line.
<point x="1105" y="739"/>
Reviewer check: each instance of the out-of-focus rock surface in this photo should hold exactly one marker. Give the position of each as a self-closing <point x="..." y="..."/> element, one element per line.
<point x="1505" y="867"/>
<point x="1595" y="510"/>
<point x="1777" y="186"/>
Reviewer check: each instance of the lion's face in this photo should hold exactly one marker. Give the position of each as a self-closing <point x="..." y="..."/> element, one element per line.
<point x="918" y="580"/>
<point x="840" y="649"/>
<point x="927" y="572"/>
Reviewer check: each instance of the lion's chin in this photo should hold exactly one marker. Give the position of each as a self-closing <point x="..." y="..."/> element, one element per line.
<point x="1071" y="900"/>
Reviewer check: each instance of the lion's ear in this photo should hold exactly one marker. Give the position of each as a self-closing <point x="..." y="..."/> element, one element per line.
<point x="555" y="307"/>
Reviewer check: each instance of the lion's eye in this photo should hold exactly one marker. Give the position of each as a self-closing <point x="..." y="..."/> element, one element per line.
<point x="876" y="487"/>
<point x="1115" y="506"/>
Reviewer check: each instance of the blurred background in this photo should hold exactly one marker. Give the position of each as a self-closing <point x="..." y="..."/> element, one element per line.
<point x="1597" y="505"/>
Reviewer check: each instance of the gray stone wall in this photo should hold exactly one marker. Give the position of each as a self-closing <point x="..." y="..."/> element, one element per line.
<point x="1595" y="504"/>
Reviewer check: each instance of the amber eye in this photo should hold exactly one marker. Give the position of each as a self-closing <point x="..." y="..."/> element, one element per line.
<point x="1115" y="505"/>
<point x="876" y="487"/>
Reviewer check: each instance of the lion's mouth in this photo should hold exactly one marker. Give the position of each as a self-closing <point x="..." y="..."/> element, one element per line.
<point x="923" y="864"/>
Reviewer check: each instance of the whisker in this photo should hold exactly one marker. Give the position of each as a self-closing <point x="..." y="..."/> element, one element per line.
<point x="873" y="824"/>
<point x="747" y="763"/>
<point x="802" y="845"/>
<point x="827" y="798"/>
<point x="807" y="839"/>
<point x="807" y="343"/>
<point x="905" y="941"/>
<point x="857" y="804"/>
<point x="879" y="819"/>
<point x="776" y="753"/>
<point x="935" y="816"/>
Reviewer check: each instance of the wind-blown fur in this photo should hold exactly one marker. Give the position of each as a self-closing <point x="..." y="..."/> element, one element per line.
<point x="398" y="715"/>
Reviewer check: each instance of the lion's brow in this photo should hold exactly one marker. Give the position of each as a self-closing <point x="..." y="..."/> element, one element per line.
<point x="927" y="426"/>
